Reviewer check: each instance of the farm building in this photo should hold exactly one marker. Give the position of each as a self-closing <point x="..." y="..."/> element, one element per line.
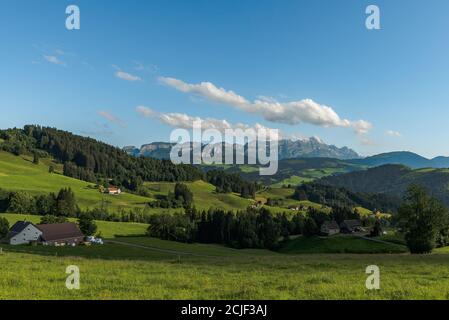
<point x="350" y="226"/>
<point x="56" y="234"/>
<point x="23" y="232"/>
<point x="330" y="228"/>
<point x="114" y="190"/>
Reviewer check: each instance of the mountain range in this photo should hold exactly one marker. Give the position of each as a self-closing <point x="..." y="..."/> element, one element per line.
<point x="288" y="149"/>
<point x="315" y="148"/>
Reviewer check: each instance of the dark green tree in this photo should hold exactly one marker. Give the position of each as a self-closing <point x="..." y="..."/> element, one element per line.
<point x="4" y="227"/>
<point x="310" y="228"/>
<point x="36" y="158"/>
<point x="87" y="225"/>
<point x="422" y="218"/>
<point x="66" y="203"/>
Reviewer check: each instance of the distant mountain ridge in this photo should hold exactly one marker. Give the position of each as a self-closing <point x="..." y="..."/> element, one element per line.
<point x="405" y="158"/>
<point x="288" y="149"/>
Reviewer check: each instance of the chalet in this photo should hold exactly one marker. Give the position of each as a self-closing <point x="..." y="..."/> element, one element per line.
<point x="114" y="190"/>
<point x="23" y="232"/>
<point x="350" y="226"/>
<point x="57" y="234"/>
<point x="330" y="228"/>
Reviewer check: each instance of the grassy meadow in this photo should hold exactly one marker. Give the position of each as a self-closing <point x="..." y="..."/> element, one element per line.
<point x="134" y="273"/>
<point x="136" y="267"/>
<point x="132" y="266"/>
<point x="204" y="195"/>
<point x="18" y="173"/>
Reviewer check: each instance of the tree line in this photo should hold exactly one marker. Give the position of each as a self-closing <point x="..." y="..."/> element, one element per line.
<point x="63" y="204"/>
<point x="251" y="228"/>
<point x="341" y="197"/>
<point x="94" y="161"/>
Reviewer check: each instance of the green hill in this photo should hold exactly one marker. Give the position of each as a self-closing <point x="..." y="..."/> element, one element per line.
<point x="204" y="195"/>
<point x="18" y="173"/>
<point x="292" y="171"/>
<point x="393" y="180"/>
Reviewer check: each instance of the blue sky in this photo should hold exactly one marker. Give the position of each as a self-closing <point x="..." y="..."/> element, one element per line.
<point x="235" y="61"/>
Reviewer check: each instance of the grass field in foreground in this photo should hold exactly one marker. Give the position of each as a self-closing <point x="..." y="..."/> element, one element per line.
<point x="30" y="276"/>
<point x="108" y="229"/>
<point x="340" y="244"/>
<point x="157" y="269"/>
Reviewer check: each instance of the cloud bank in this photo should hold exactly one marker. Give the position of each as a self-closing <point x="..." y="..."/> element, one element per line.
<point x="291" y="113"/>
<point x="184" y="121"/>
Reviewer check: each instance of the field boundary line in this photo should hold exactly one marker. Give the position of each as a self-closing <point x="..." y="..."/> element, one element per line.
<point x="382" y="241"/>
<point x="162" y="250"/>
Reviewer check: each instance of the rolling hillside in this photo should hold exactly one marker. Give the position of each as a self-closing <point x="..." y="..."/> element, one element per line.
<point x="393" y="180"/>
<point x="204" y="195"/>
<point x="408" y="159"/>
<point x="18" y="173"/>
<point x="293" y="171"/>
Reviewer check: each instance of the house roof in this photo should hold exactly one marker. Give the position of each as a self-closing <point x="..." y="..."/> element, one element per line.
<point x="331" y="224"/>
<point x="59" y="231"/>
<point x="17" y="228"/>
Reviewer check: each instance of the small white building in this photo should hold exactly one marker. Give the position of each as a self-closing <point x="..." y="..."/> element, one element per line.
<point x="23" y="232"/>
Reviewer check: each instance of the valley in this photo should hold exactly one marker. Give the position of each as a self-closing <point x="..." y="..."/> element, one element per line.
<point x="249" y="237"/>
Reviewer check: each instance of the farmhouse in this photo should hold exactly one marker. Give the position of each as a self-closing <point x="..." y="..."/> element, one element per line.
<point x="350" y="226"/>
<point x="114" y="190"/>
<point x="23" y="232"/>
<point x="57" y="234"/>
<point x="330" y="228"/>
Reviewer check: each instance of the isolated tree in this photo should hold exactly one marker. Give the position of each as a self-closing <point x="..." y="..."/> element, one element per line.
<point x="87" y="225"/>
<point x="66" y="203"/>
<point x="36" y="158"/>
<point x="4" y="227"/>
<point x="51" y="169"/>
<point x="422" y="218"/>
<point x="183" y="194"/>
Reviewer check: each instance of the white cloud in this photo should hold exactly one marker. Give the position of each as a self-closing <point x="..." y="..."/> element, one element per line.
<point x="207" y="90"/>
<point x="361" y="126"/>
<point x="126" y="76"/>
<point x="184" y="121"/>
<point x="291" y="113"/>
<point x="393" y="133"/>
<point x="54" y="60"/>
<point x="112" y="118"/>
